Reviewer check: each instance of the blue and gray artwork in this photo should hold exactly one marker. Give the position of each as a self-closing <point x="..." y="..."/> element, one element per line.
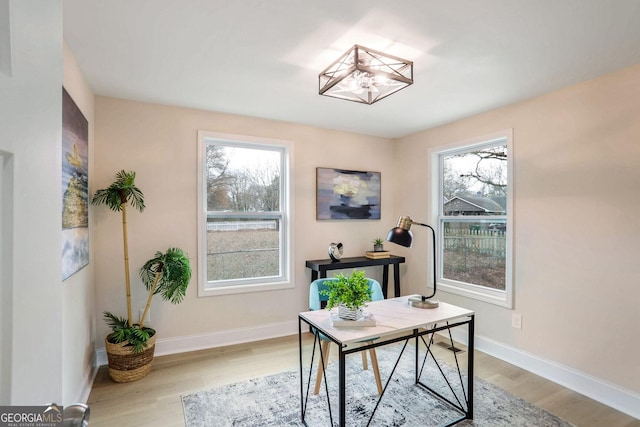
<point x="346" y="194"/>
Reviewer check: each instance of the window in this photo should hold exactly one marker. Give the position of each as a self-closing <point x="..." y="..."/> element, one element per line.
<point x="473" y="211"/>
<point x="244" y="224"/>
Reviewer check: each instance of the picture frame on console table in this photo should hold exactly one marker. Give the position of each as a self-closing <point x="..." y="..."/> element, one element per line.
<point x="343" y="194"/>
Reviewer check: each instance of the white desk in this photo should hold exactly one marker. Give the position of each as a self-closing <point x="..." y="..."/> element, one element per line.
<point x="395" y="321"/>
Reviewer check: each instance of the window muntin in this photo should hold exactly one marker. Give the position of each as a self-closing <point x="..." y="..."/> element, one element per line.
<point x="244" y="239"/>
<point x="473" y="218"/>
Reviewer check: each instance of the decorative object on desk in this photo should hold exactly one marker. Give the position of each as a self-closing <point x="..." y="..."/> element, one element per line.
<point x="346" y="313"/>
<point x="402" y="235"/>
<point x="347" y="194"/>
<point x="366" y="319"/>
<point x="377" y="254"/>
<point x="335" y="251"/>
<point x="350" y="294"/>
<point x="378" y="245"/>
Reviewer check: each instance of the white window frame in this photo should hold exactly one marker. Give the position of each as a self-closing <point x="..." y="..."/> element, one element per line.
<point x="502" y="298"/>
<point x="285" y="280"/>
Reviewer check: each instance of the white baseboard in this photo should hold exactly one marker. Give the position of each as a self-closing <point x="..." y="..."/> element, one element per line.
<point x="165" y="346"/>
<point x="86" y="388"/>
<point x="599" y="390"/>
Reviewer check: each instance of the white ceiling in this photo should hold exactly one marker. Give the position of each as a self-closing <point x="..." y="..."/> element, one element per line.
<point x="262" y="57"/>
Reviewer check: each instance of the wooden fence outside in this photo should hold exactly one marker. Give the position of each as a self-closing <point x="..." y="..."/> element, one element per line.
<point x="477" y="241"/>
<point x="241" y="225"/>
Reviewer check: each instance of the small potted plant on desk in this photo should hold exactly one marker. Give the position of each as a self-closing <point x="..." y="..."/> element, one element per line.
<point x="378" y="245"/>
<point x="350" y="294"/>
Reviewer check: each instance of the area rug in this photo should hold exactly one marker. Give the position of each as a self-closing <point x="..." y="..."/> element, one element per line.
<point x="275" y="400"/>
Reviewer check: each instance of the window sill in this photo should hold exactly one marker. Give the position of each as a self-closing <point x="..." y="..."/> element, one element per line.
<point x="241" y="289"/>
<point x="501" y="298"/>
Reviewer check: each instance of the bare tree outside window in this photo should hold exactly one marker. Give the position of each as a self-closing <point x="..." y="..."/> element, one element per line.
<point x="218" y="178"/>
<point x="473" y="216"/>
<point x="244" y="216"/>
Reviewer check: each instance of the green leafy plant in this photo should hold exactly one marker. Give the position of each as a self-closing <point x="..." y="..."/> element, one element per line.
<point x="167" y="274"/>
<point x="136" y="336"/>
<point x="352" y="291"/>
<point x="378" y="241"/>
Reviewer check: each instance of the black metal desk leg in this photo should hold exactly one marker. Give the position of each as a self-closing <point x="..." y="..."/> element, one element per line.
<point x="417" y="375"/>
<point x="301" y="370"/>
<point x="385" y="280"/>
<point x="342" y="388"/>
<point x="396" y="279"/>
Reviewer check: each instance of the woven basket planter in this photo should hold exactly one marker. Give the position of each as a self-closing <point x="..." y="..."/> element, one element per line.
<point x="125" y="365"/>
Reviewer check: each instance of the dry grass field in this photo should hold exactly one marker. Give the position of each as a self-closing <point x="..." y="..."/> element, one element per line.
<point x="254" y="253"/>
<point x="242" y="253"/>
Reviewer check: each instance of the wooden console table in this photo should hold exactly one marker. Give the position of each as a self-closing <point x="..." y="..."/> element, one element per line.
<point x="321" y="266"/>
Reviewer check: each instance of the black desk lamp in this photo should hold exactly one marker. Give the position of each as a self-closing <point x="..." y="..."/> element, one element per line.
<point x="402" y="236"/>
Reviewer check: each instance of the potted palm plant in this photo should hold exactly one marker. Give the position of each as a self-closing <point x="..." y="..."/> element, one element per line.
<point x="130" y="346"/>
<point x="349" y="293"/>
<point x="117" y="196"/>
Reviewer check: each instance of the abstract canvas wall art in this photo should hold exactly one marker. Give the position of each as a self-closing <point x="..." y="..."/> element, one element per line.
<point x="75" y="189"/>
<point x="347" y="194"/>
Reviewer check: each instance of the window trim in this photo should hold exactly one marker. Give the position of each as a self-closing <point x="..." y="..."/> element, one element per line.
<point x="502" y="298"/>
<point x="287" y="227"/>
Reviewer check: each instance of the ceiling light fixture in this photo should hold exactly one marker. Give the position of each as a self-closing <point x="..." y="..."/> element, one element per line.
<point x="365" y="75"/>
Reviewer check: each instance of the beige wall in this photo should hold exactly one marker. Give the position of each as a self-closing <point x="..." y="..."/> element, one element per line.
<point x="577" y="177"/>
<point x="159" y="143"/>
<point x="79" y="317"/>
<point x="575" y="158"/>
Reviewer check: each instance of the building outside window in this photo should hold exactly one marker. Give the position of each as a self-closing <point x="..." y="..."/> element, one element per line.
<point x="473" y="185"/>
<point x="244" y="222"/>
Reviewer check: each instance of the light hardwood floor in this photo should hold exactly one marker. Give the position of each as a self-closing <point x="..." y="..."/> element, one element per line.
<point x="155" y="399"/>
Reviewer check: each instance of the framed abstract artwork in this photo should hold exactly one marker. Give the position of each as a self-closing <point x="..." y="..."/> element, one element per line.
<point x="347" y="194"/>
<point x="75" y="189"/>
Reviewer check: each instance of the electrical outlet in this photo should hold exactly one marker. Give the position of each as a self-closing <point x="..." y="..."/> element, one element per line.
<point x="148" y="318"/>
<point x="516" y="320"/>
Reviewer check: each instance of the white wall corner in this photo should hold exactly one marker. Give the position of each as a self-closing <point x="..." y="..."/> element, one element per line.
<point x="5" y="37"/>
<point x="85" y="390"/>
<point x="599" y="390"/>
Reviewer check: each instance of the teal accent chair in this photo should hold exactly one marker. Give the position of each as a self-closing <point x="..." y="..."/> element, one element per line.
<point x="318" y="302"/>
